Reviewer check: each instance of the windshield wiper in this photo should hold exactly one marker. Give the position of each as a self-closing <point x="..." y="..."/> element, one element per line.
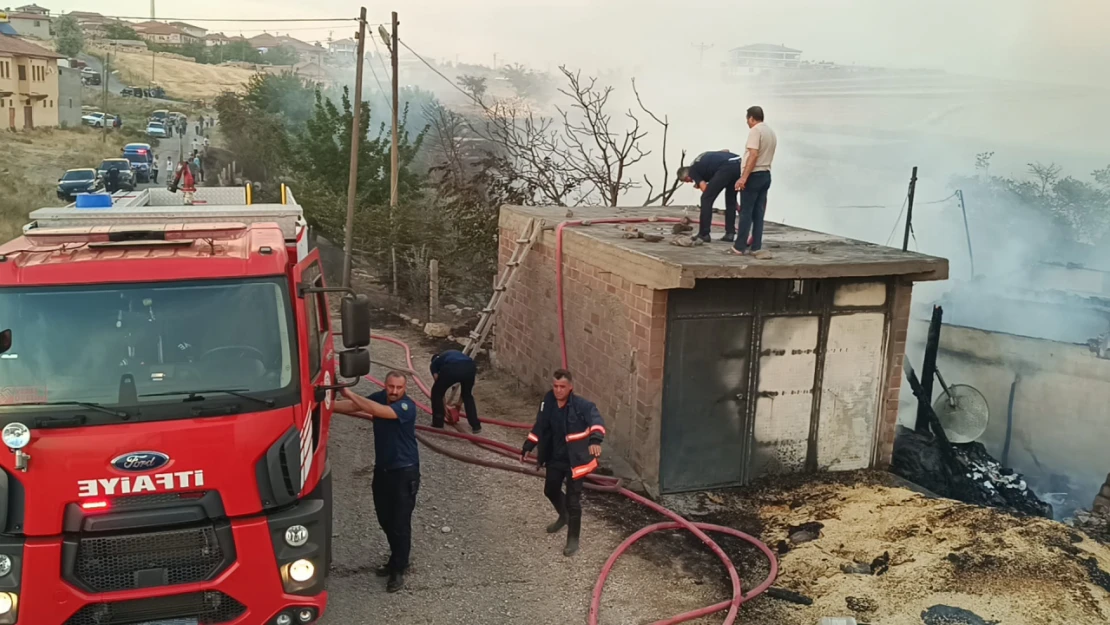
<point x="84" y="404"/>
<point x="199" y="395"/>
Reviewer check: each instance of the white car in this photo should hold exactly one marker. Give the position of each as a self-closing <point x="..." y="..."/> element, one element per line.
<point x="156" y="129"/>
<point x="96" y="120"/>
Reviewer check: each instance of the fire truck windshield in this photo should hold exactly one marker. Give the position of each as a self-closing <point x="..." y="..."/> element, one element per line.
<point x="143" y="348"/>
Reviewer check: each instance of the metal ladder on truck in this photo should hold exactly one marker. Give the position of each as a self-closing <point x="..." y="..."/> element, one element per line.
<point x="480" y="333"/>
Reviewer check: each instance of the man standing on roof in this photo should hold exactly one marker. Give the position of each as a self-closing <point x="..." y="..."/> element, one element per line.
<point x="754" y="183"/>
<point x="568" y="432"/>
<point x="396" y="468"/>
<point x="448" y="369"/>
<point x="713" y="172"/>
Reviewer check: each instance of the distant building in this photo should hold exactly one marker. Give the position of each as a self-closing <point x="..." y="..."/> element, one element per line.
<point x="33" y="9"/>
<point x="764" y="55"/>
<point x="195" y="31"/>
<point x="34" y="25"/>
<point x="93" y="25"/>
<point x="310" y="71"/>
<point x="343" y="47"/>
<point x="28" y="85"/>
<point x="166" y="34"/>
<point x="306" y="52"/>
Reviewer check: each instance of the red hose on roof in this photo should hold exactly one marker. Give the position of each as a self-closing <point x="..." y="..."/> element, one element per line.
<point x="608" y="484"/>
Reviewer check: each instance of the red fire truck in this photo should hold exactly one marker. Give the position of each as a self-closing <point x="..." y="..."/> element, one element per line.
<point x="166" y="383"/>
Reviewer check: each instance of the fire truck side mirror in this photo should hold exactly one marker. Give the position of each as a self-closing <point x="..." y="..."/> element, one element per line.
<point x="354" y="363"/>
<point x="6" y="342"/>
<point x="354" y="312"/>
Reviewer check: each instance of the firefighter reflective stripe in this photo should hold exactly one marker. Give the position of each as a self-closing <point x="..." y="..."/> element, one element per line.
<point x="600" y="429"/>
<point x="579" y="436"/>
<point x="584" y="470"/>
<point x="532" y="437"/>
<point x="307" y="450"/>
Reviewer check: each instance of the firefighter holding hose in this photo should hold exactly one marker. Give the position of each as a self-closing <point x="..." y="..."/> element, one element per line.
<point x="568" y="434"/>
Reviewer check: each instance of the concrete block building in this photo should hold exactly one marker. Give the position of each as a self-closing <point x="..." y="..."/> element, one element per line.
<point x="711" y="369"/>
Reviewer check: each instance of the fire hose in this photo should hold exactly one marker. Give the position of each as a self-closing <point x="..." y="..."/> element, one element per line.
<point x="604" y="484"/>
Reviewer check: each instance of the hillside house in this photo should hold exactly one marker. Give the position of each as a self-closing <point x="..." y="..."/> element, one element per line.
<point x="189" y="29"/>
<point x="714" y="370"/>
<point x="165" y="34"/>
<point x="306" y="52"/>
<point x="93" y="25"/>
<point x="28" y="85"/>
<point x="34" y="25"/>
<point x="343" y="49"/>
<point x="69" y="97"/>
<point x="33" y="9"/>
<point x="310" y="71"/>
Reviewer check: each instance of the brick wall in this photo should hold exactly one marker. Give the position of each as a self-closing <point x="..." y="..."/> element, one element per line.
<point x="615" y="341"/>
<point x="896" y="351"/>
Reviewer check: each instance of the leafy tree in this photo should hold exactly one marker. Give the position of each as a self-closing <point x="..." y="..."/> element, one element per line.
<point x="474" y="85"/>
<point x="285" y="95"/>
<point x="259" y="138"/>
<point x="281" y="55"/>
<point x="120" y="30"/>
<point x="68" y="37"/>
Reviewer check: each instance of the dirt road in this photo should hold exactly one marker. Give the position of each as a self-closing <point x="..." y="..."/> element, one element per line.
<point x="480" y="553"/>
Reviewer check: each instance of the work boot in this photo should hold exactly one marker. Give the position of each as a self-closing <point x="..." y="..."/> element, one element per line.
<point x="396" y="581"/>
<point x="728" y="238"/>
<point x="476" y="430"/>
<point x="574" y="528"/>
<point x="559" y="523"/>
<point x="383" y="571"/>
<point x="703" y="239"/>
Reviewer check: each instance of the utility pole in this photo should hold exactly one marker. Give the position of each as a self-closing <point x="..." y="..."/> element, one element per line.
<point x="702" y="47"/>
<point x="356" y="139"/>
<point x="107" y="77"/>
<point x="967" y="231"/>
<point x="909" y="211"/>
<point x="152" y="51"/>
<point x="394" y="157"/>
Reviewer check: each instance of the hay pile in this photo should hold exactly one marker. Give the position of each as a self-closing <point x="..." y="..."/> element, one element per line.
<point x="906" y="553"/>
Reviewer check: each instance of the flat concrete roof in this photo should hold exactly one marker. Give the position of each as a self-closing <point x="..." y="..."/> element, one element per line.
<point x="796" y="253"/>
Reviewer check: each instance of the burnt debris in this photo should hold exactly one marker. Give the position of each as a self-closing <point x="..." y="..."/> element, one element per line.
<point x="973" y="476"/>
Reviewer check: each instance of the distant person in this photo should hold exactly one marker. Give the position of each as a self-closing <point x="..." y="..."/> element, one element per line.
<point x="117" y="122"/>
<point x="206" y="145"/>
<point x="754" y="183"/>
<point x="169" y="165"/>
<point x="448" y="369"/>
<point x="154" y="171"/>
<point x="197" y="167"/>
<point x="112" y="183"/>
<point x="713" y="172"/>
<point x="195" y="144"/>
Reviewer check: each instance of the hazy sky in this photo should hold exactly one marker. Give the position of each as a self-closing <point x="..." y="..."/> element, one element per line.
<point x="1056" y="39"/>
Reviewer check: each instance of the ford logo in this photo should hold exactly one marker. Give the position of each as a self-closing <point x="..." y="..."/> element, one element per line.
<point x="137" y="461"/>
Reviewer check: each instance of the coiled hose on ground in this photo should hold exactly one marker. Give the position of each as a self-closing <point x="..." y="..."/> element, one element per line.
<point x="599" y="483"/>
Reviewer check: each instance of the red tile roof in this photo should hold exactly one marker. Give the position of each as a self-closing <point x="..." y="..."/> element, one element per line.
<point x="18" y="47"/>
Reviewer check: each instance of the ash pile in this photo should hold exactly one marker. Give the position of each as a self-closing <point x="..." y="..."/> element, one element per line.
<point x="970" y="474"/>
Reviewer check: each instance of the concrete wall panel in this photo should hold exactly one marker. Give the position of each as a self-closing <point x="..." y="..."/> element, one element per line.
<point x="784" y="403"/>
<point x="850" y="391"/>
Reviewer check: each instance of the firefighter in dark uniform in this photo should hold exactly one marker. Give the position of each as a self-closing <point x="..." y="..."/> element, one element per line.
<point x="568" y="433"/>
<point x="448" y="369"/>
<point x="396" y="468"/>
<point x="713" y="172"/>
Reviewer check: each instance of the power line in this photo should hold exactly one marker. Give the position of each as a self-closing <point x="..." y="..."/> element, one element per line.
<point x="897" y="221"/>
<point x="378" y="54"/>
<point x="441" y="75"/>
<point x="231" y="19"/>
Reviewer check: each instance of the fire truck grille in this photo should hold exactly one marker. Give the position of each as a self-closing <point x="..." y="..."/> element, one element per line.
<point x="127" y="502"/>
<point x="181" y="556"/>
<point x="208" y="608"/>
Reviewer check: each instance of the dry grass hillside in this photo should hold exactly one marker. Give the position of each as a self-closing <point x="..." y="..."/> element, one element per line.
<point x="32" y="162"/>
<point x="181" y="78"/>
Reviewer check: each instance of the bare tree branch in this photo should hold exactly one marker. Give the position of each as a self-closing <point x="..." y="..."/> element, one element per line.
<point x="669" y="186"/>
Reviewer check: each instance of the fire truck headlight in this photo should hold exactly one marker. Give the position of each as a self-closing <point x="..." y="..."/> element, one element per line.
<point x="16" y="435"/>
<point x="296" y="535"/>
<point x="5" y="565"/>
<point x="7" y="603"/>
<point x="301" y="571"/>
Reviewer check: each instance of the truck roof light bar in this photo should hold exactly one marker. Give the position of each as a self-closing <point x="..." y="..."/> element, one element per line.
<point x="137" y="234"/>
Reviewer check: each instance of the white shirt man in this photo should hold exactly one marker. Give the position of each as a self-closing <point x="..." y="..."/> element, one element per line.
<point x="755" y="180"/>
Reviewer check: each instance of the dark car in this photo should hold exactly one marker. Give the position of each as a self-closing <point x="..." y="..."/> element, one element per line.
<point x="132" y="92"/>
<point x="126" y="176"/>
<point x="77" y="181"/>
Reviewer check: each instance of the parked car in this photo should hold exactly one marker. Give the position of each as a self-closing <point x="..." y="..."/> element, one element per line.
<point x="159" y="115"/>
<point x="157" y="130"/>
<point x="97" y="119"/>
<point x="155" y="92"/>
<point x="126" y="175"/>
<point x="76" y="181"/>
<point x="90" y="76"/>
<point x="132" y="92"/>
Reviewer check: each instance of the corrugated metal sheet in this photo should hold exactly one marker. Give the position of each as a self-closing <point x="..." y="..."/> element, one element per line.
<point x="850" y="390"/>
<point x="787" y="363"/>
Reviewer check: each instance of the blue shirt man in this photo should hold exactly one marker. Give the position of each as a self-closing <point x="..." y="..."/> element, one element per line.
<point x="396" y="468"/>
<point x="713" y="172"/>
<point x="449" y="368"/>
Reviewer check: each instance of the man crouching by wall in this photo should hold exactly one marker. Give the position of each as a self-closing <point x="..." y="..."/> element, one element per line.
<point x="568" y="432"/>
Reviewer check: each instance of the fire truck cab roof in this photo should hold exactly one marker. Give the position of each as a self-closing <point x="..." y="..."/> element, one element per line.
<point x="221" y="236"/>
